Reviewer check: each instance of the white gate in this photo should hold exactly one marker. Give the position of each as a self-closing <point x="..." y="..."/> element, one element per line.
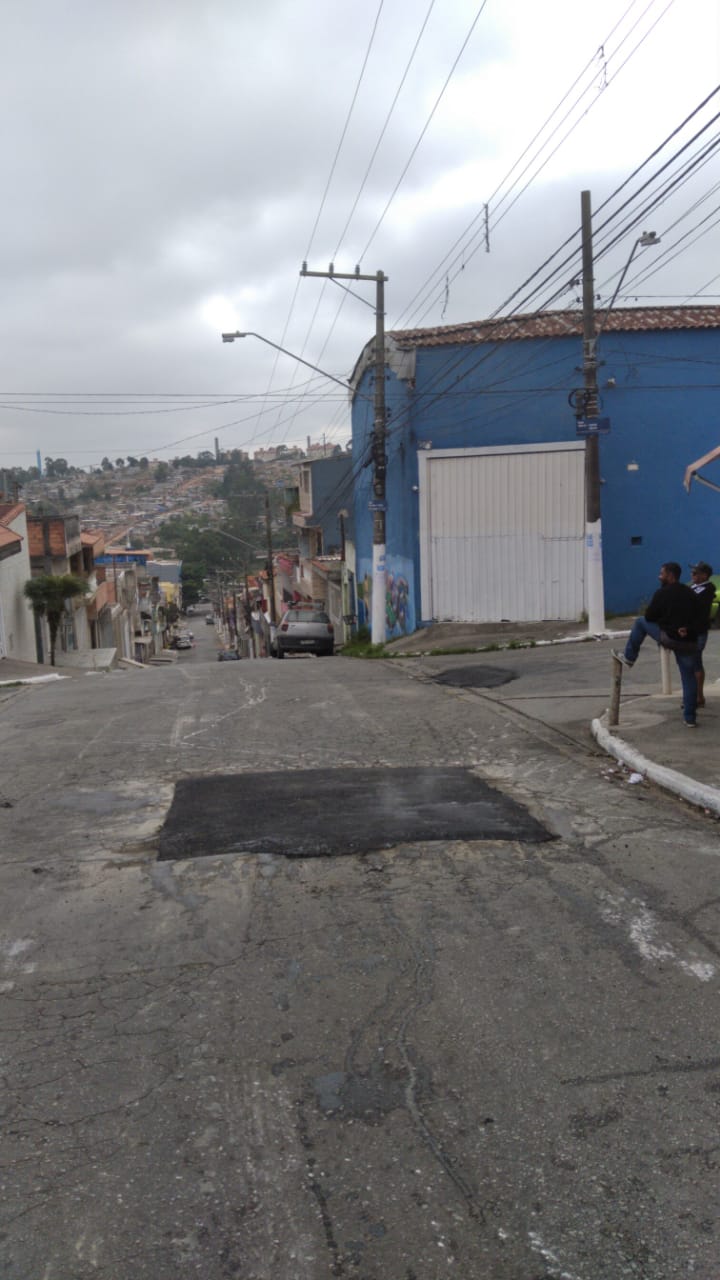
<point x="502" y="533"/>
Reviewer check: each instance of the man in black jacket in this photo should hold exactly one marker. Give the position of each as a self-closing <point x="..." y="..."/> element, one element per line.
<point x="705" y="591"/>
<point x="676" y="611"/>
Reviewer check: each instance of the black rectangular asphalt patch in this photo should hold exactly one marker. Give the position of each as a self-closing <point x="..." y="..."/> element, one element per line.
<point x="309" y="813"/>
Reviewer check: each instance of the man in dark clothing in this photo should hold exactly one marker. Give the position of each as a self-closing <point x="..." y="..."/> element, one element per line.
<point x="705" y="591"/>
<point x="676" y="611"/>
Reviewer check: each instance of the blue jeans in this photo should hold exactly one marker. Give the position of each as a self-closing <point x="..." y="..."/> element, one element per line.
<point x="687" y="663"/>
<point x="640" y="629"/>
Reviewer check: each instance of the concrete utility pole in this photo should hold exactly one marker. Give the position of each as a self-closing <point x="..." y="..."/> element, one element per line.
<point x="593" y="522"/>
<point x="378" y="505"/>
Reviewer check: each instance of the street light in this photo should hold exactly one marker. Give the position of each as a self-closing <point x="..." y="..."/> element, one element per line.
<point x="230" y="337"/>
<point x="647" y="240"/>
<point x="379" y="456"/>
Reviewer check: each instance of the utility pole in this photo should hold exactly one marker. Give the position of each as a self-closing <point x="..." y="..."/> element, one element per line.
<point x="271" y="570"/>
<point x="593" y="522"/>
<point x="378" y="505"/>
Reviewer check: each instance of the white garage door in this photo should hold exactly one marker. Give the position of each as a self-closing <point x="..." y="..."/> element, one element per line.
<point x="502" y="533"/>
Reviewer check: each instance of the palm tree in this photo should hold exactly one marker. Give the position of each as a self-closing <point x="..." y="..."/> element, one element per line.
<point x="47" y="595"/>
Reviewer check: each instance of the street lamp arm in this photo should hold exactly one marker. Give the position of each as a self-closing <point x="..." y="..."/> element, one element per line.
<point x="646" y="240"/>
<point x="230" y="337"/>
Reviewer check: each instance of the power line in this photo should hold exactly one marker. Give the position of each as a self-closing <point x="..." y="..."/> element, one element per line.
<point x="463" y="257"/>
<point x="328" y="184"/>
<point x="383" y="130"/>
<point x="424" y="129"/>
<point x="371" y="162"/>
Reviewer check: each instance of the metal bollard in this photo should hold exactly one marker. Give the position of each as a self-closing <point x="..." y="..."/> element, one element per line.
<point x="665" y="671"/>
<point x="615" y="691"/>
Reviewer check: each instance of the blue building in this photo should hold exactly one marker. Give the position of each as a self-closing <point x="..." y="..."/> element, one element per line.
<point x="485" y="470"/>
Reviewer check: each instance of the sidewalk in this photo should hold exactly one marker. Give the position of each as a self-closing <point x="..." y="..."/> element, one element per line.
<point x="565" y="681"/>
<point x="13" y="672"/>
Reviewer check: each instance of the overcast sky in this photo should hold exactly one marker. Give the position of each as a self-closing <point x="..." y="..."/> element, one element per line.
<point x="169" y="164"/>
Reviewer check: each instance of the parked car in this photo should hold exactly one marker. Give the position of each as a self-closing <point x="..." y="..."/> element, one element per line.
<point x="209" y="620"/>
<point x="228" y="655"/>
<point x="304" y="630"/>
<point x="181" y="642"/>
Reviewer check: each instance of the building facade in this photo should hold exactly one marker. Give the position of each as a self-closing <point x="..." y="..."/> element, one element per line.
<point x="485" y="463"/>
<point x="17" y="625"/>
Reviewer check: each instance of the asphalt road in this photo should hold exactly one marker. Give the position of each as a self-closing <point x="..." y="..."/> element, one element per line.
<point x="476" y="1057"/>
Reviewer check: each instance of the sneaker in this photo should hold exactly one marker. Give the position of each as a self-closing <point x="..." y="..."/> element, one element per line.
<point x="617" y="653"/>
<point x="690" y="724"/>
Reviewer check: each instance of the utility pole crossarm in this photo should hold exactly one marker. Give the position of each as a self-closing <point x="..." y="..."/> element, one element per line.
<point x="332" y="274"/>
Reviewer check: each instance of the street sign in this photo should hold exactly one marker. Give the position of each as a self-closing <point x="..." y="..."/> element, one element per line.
<point x="592" y="426"/>
<point x="377" y="506"/>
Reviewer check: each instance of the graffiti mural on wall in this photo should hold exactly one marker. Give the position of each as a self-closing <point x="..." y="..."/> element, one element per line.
<point x="399" y="611"/>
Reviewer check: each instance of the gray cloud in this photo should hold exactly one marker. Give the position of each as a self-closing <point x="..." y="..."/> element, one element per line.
<point x="159" y="155"/>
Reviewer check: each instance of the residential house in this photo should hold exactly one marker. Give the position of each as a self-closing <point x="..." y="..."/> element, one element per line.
<point x="144" y="591"/>
<point x="17" y="624"/>
<point x="58" y="547"/>
<point x="321" y="519"/>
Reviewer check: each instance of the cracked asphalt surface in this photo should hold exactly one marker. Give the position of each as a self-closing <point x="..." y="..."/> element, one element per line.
<point x="474" y="1057"/>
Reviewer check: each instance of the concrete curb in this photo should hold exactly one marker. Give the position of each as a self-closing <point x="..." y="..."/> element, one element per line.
<point x="501" y="646"/>
<point x="697" y="793"/>
<point x="30" y="680"/>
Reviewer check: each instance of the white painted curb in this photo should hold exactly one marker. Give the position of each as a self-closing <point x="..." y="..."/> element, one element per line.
<point x="697" y="793"/>
<point x="31" y="680"/>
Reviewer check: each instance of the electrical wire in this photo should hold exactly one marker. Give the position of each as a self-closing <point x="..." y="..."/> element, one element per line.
<point x="424" y="129"/>
<point x="372" y="160"/>
<point x="463" y="256"/>
<point x="328" y="184"/>
<point x="445" y="262"/>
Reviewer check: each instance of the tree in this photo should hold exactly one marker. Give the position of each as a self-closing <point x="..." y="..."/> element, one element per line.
<point x="144" y="463"/>
<point x="48" y="594"/>
<point x="55" y="467"/>
<point x="119" y="462"/>
<point x="162" y="471"/>
<point x="107" y="465"/>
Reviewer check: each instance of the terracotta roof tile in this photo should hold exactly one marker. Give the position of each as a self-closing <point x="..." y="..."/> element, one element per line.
<point x="558" y="324"/>
<point x="10" y="511"/>
<point x="93" y="537"/>
<point x="9" y="540"/>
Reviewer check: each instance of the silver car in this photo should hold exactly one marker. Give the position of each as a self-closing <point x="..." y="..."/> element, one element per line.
<point x="304" y="630"/>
